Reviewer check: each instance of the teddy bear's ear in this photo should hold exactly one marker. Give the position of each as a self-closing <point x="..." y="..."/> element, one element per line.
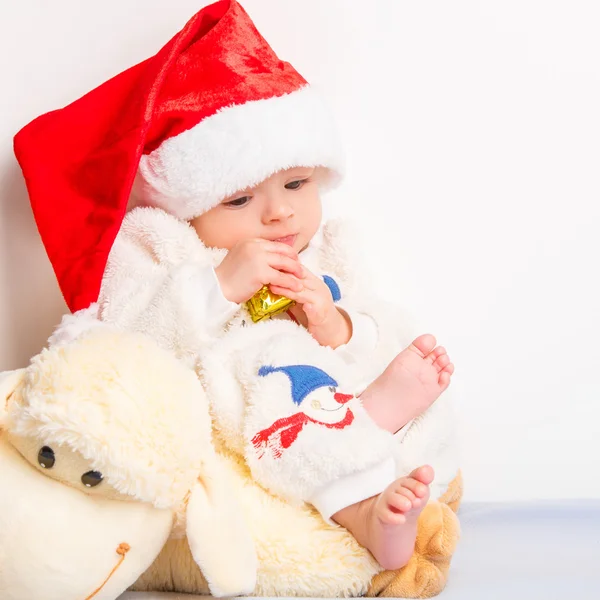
<point x="9" y="381"/>
<point x="219" y="539"/>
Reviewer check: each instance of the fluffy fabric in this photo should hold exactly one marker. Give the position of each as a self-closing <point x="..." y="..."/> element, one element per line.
<point x="73" y="327"/>
<point x="153" y="284"/>
<point x="143" y="290"/>
<point x="116" y="404"/>
<point x="152" y="456"/>
<point x="239" y="147"/>
<point x="302" y="425"/>
<point x="57" y="542"/>
<point x="298" y="554"/>
<point x="301" y="556"/>
<point x="158" y="270"/>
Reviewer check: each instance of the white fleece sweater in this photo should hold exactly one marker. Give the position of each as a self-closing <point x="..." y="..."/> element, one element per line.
<point x="275" y="393"/>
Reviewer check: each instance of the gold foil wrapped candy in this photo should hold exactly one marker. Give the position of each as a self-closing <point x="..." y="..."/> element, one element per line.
<point x="264" y="304"/>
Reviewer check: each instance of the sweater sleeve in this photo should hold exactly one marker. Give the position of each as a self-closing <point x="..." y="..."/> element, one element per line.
<point x="365" y="336"/>
<point x="378" y="328"/>
<point x="179" y="303"/>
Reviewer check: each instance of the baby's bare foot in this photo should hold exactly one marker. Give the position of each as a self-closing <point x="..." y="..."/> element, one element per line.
<point x="412" y="382"/>
<point x="387" y="524"/>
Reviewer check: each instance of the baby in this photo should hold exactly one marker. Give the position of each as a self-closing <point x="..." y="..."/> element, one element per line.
<point x="190" y="181"/>
<point x="265" y="229"/>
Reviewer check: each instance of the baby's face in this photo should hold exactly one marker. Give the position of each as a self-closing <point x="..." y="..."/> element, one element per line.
<point x="285" y="207"/>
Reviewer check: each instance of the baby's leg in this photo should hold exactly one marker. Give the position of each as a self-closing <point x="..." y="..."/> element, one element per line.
<point x="411" y="383"/>
<point x="387" y="524"/>
<point x="288" y="405"/>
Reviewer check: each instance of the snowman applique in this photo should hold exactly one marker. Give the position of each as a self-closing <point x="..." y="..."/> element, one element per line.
<point x="315" y="393"/>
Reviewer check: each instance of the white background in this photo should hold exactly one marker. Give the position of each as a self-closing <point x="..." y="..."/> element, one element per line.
<point x="473" y="138"/>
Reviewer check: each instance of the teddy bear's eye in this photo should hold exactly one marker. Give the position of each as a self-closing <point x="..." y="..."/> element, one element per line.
<point x="91" y="478"/>
<point x="46" y="457"/>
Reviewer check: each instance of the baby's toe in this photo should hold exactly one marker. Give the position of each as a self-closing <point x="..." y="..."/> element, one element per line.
<point x="424" y="474"/>
<point x="435" y="354"/>
<point x="445" y="374"/>
<point x="424" y="344"/>
<point x="407" y="493"/>
<point x="398" y="502"/>
<point x="416" y="488"/>
<point x="441" y="362"/>
<point x="392" y="517"/>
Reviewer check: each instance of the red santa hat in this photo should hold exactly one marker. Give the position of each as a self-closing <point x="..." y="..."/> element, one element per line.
<point x="213" y="112"/>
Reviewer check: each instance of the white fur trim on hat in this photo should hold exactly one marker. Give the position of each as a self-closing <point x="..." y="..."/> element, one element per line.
<point x="236" y="148"/>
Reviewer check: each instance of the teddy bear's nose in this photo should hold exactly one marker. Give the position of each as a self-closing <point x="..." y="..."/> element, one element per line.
<point x="342" y="398"/>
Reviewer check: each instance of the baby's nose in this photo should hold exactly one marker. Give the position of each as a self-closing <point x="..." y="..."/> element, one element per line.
<point x="278" y="209"/>
<point x="342" y="398"/>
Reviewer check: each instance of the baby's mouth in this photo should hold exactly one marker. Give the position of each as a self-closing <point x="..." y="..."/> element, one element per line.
<point x="288" y="239"/>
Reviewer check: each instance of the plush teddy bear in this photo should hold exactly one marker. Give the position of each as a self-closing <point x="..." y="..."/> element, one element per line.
<point x="300" y="555"/>
<point x="110" y="481"/>
<point x="106" y="452"/>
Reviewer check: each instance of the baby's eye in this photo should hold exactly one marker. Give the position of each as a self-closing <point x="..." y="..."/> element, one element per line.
<point x="91" y="478"/>
<point x="295" y="185"/>
<point x="238" y="201"/>
<point x="46" y="457"/>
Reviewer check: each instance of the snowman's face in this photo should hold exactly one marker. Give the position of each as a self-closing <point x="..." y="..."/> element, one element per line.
<point x="326" y="405"/>
<point x="65" y="465"/>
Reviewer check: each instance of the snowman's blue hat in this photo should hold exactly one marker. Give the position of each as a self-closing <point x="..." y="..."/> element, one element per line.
<point x="304" y="379"/>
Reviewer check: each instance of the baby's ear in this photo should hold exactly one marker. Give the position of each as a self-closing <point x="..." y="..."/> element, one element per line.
<point x="9" y="382"/>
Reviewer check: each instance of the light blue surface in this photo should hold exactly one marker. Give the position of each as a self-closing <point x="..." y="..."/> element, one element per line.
<point x="543" y="550"/>
<point x="526" y="551"/>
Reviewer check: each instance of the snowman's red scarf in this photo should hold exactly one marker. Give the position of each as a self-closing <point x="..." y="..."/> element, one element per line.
<point x="283" y="433"/>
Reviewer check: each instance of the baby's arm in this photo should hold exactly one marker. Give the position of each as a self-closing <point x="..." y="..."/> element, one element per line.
<point x="160" y="281"/>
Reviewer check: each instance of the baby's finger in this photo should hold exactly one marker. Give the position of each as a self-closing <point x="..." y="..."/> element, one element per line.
<point x="301" y="297"/>
<point x="279" y="248"/>
<point x="311" y="281"/>
<point x="287" y="264"/>
<point x="291" y="284"/>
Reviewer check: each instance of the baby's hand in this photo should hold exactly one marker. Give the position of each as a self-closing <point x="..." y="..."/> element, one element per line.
<point x="316" y="311"/>
<point x="253" y="263"/>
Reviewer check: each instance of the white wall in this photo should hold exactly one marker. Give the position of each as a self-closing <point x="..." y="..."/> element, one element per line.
<point x="472" y="130"/>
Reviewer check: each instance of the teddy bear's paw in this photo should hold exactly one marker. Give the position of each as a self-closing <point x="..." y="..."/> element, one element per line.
<point x="438" y="532"/>
<point x="420" y="578"/>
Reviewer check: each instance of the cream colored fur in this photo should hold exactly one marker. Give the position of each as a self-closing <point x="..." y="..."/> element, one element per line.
<point x="298" y="554"/>
<point x="115" y="403"/>
<point x="46" y="549"/>
<point x="56" y="542"/>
